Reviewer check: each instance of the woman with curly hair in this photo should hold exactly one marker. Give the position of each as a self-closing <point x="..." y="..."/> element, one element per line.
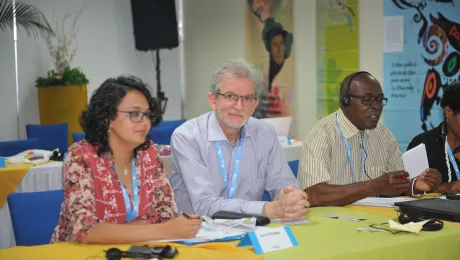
<point x="443" y="142"/>
<point x="115" y="187"/>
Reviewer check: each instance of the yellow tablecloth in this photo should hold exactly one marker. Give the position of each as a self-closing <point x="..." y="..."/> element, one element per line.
<point x="323" y="239"/>
<point x="10" y="177"/>
<point x="74" y="251"/>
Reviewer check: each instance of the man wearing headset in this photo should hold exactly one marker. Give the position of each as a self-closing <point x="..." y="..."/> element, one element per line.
<point x="350" y="155"/>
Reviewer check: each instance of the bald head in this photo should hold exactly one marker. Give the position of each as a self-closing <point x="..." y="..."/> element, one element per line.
<point x="353" y="80"/>
<point x="366" y="100"/>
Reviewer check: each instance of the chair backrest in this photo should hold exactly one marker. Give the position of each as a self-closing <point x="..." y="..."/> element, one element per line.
<point x="77" y="137"/>
<point x="51" y="136"/>
<point x="161" y="134"/>
<point x="34" y="216"/>
<point x="11" y="148"/>
<point x="173" y="123"/>
<point x="294" y="165"/>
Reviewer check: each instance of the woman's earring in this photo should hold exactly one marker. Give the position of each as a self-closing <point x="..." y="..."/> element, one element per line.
<point x="108" y="131"/>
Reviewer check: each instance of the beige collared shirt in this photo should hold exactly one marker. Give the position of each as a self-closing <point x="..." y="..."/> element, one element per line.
<point x="324" y="155"/>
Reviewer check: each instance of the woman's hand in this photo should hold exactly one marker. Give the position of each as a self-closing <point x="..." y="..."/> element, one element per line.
<point x="182" y="227"/>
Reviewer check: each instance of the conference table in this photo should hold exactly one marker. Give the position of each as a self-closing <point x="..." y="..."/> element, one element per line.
<point x="323" y="238"/>
<point x="24" y="178"/>
<point x="30" y="178"/>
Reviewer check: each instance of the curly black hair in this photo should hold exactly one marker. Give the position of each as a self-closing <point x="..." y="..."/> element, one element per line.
<point x="102" y="109"/>
<point x="451" y="97"/>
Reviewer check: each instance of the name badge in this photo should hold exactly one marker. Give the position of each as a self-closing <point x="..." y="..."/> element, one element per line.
<point x="266" y="240"/>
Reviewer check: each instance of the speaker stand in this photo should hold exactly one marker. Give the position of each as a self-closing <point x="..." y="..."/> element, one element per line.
<point x="161" y="98"/>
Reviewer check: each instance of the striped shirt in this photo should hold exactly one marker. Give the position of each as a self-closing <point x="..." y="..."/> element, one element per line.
<point x="324" y="155"/>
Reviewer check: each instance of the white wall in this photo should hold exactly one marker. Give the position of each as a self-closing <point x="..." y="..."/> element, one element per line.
<point x="8" y="125"/>
<point x="371" y="37"/>
<point x="105" y="49"/>
<point x="214" y="32"/>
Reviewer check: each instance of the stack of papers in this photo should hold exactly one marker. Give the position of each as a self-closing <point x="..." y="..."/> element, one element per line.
<point x="218" y="230"/>
<point x="243" y="225"/>
<point x="380" y="202"/>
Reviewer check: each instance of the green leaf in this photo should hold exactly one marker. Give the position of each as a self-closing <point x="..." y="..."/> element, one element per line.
<point x="28" y="18"/>
<point x="69" y="77"/>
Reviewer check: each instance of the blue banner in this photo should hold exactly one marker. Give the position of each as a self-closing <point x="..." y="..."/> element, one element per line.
<point x="414" y="78"/>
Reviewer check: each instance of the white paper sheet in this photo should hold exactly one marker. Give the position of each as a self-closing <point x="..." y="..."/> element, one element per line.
<point x="206" y="234"/>
<point x="213" y="229"/>
<point x="380" y="202"/>
<point x="393" y="34"/>
<point x="415" y="160"/>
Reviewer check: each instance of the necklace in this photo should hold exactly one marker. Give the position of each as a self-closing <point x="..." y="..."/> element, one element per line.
<point x="125" y="172"/>
<point x="449" y="172"/>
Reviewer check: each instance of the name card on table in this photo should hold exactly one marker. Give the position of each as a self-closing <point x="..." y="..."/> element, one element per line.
<point x="2" y="162"/>
<point x="284" y="140"/>
<point x="266" y="240"/>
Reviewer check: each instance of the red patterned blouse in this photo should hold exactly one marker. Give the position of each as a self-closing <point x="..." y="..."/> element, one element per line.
<point x="92" y="191"/>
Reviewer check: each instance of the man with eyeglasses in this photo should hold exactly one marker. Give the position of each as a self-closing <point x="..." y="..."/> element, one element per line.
<point x="226" y="159"/>
<point x="350" y="155"/>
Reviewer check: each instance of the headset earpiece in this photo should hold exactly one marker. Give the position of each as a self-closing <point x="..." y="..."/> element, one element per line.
<point x="345" y="100"/>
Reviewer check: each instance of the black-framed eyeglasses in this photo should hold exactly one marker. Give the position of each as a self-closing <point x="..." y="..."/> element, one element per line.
<point x="369" y="100"/>
<point x="247" y="100"/>
<point x="138" y="116"/>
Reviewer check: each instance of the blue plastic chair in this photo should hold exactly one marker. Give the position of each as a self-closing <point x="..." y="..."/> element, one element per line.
<point x="11" y="148"/>
<point x="77" y="137"/>
<point x="34" y="216"/>
<point x="51" y="136"/>
<point x="294" y="165"/>
<point x="173" y="123"/>
<point x="161" y="134"/>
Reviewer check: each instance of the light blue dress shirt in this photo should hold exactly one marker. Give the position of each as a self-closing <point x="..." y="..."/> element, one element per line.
<point x="196" y="176"/>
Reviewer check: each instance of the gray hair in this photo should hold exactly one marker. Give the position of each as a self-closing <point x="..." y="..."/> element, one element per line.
<point x="237" y="69"/>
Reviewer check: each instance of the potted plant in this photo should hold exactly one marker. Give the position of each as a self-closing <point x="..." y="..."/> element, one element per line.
<point x="62" y="94"/>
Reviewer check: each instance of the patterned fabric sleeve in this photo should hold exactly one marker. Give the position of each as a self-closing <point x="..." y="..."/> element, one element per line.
<point x="79" y="195"/>
<point x="163" y="207"/>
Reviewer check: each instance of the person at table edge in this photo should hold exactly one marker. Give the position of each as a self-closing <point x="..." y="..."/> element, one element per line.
<point x="226" y="159"/>
<point x="443" y="142"/>
<point x="349" y="155"/>
<point x="115" y="187"/>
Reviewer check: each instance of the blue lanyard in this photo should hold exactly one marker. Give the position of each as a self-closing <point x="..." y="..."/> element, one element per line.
<point x="236" y="168"/>
<point x="452" y="160"/>
<point x="350" y="157"/>
<point x="131" y="212"/>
